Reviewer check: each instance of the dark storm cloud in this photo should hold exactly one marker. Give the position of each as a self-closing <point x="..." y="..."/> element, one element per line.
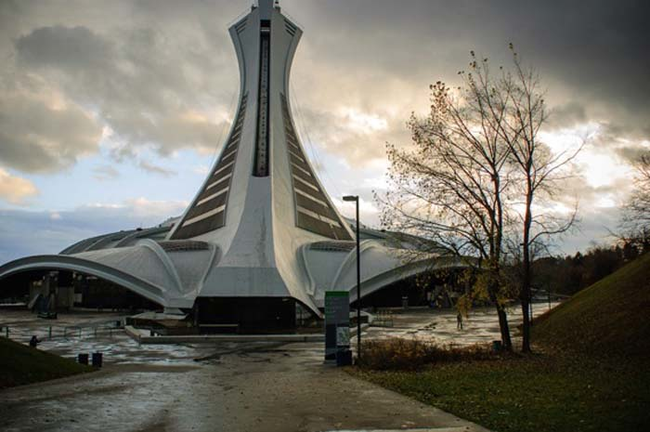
<point x="146" y="68"/>
<point x="567" y="115"/>
<point x="72" y="50"/>
<point x="143" y="83"/>
<point x="38" y="137"/>
<point x="633" y="154"/>
<point x="158" y="74"/>
<point x="590" y="54"/>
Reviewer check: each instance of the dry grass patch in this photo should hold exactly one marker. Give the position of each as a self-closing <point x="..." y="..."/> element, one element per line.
<point x="413" y="354"/>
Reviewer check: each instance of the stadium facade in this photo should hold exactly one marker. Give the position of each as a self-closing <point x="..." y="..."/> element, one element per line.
<point x="261" y="235"/>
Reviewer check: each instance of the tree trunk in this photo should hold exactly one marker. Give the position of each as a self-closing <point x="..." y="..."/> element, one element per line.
<point x="526" y="279"/>
<point x="503" y="326"/>
<point x="525" y="297"/>
<point x="525" y="343"/>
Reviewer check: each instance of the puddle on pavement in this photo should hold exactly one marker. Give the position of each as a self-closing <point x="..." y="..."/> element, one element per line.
<point x="426" y="324"/>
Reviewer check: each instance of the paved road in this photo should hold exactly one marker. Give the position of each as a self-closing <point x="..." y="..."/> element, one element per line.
<point x="254" y="387"/>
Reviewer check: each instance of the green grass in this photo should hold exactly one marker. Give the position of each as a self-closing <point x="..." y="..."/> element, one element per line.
<point x="611" y="317"/>
<point x="590" y="373"/>
<point x="21" y="364"/>
<point x="533" y="394"/>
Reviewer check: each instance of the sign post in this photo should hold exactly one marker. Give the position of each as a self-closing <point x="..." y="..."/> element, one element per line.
<point x="337" y="325"/>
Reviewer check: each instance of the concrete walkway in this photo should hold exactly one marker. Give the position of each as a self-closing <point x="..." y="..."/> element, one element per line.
<point x="262" y="388"/>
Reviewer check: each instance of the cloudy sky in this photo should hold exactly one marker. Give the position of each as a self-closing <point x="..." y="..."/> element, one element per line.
<point x="111" y="113"/>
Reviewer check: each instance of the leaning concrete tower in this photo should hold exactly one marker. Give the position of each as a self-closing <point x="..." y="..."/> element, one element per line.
<point x="261" y="239"/>
<point x="262" y="200"/>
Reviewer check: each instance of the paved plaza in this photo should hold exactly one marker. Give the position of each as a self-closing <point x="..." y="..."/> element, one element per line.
<point x="226" y="386"/>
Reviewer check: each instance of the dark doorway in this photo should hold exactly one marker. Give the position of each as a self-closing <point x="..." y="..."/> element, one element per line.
<point x="248" y="314"/>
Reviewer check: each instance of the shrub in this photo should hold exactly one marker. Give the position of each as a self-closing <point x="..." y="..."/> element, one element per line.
<point x="411" y="354"/>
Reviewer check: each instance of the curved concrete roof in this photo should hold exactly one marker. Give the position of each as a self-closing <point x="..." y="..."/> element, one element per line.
<point x="174" y="273"/>
<point x="142" y="287"/>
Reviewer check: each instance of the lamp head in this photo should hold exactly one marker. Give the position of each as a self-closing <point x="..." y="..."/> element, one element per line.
<point x="351" y="198"/>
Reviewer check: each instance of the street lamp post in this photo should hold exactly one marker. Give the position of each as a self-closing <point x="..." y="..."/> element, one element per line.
<point x="355" y="199"/>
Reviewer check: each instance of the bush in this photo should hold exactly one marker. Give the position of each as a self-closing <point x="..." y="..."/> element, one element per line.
<point x="412" y="354"/>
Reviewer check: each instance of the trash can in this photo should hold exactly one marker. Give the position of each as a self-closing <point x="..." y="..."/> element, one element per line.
<point x="405" y="302"/>
<point x="344" y="358"/>
<point x="496" y="346"/>
<point x="82" y="358"/>
<point x="97" y="359"/>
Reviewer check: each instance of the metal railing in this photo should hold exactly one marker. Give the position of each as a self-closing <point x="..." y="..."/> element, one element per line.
<point x="83" y="330"/>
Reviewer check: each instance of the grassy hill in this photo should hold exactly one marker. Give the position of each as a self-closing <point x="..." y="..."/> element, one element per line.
<point x="611" y="317"/>
<point x="20" y="364"/>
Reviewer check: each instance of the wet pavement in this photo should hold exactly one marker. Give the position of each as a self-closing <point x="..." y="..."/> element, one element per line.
<point x="89" y="332"/>
<point x="256" y="388"/>
<point x="221" y="386"/>
<point x="481" y="326"/>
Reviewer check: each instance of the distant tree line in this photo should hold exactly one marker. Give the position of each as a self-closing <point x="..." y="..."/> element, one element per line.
<point x="572" y="273"/>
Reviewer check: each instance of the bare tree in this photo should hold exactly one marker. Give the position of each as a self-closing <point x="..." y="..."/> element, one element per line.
<point x="538" y="170"/>
<point x="636" y="212"/>
<point x="450" y="186"/>
<point x="476" y="162"/>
